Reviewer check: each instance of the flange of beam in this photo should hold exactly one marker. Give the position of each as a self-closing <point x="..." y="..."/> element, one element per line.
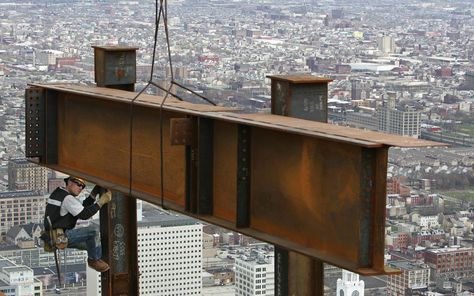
<point x="310" y="187"/>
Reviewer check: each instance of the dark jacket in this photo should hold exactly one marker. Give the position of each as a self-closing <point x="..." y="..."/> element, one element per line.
<point x="68" y="221"/>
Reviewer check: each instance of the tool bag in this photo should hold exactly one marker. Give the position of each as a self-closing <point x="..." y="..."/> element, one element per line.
<point x="55" y="238"/>
<point x="59" y="238"/>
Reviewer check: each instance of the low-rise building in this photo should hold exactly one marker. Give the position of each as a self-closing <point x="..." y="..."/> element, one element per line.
<point x="414" y="277"/>
<point x="18" y="280"/>
<point x="450" y="262"/>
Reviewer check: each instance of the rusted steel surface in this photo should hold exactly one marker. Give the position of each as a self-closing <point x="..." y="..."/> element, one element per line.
<point x="172" y="104"/>
<point x="181" y="131"/>
<point x="304" y="276"/>
<point x="280" y="123"/>
<point x="299" y="274"/>
<point x="305" y="190"/>
<point x="119" y="246"/>
<point x="334" y="132"/>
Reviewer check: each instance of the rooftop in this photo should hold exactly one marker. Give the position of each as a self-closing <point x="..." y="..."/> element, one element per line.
<point x="405" y="265"/>
<point x="17" y="268"/>
<point x="161" y="218"/>
<point x="5" y="263"/>
<point x="449" y="250"/>
<point x="14" y="194"/>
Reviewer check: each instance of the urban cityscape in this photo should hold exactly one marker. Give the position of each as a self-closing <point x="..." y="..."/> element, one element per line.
<point x="399" y="67"/>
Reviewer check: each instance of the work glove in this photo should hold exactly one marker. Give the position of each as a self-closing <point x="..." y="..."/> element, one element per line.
<point x="97" y="190"/>
<point x="104" y="198"/>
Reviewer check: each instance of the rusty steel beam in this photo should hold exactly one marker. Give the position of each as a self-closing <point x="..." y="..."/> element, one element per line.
<point x="309" y="187"/>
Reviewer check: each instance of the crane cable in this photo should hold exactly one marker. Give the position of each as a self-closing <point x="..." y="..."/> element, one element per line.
<point x="161" y="12"/>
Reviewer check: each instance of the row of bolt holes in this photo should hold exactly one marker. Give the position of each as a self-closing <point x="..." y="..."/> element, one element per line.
<point x="244" y="150"/>
<point x="32" y="112"/>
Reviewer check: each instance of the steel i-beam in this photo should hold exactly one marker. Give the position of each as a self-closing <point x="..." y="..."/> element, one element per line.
<point x="309" y="187"/>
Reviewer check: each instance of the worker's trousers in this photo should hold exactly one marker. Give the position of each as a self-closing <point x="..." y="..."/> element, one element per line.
<point x="85" y="238"/>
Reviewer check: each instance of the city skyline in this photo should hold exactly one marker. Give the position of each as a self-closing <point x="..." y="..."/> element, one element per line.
<point x="388" y="61"/>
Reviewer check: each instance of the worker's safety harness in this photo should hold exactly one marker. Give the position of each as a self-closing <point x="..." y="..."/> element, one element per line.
<point x="54" y="238"/>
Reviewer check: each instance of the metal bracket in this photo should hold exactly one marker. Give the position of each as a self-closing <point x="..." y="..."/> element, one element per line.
<point x="243" y="176"/>
<point x="367" y="184"/>
<point x="182" y="131"/>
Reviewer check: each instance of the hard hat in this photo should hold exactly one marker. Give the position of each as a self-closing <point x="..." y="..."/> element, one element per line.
<point x="76" y="179"/>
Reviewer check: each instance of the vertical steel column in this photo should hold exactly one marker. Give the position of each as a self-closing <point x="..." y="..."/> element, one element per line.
<point x="305" y="97"/>
<point x="118" y="223"/>
<point x="115" y="67"/>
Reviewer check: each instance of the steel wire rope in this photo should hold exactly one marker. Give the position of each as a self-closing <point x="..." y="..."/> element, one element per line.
<point x="158" y="14"/>
<point x="161" y="12"/>
<point x="165" y="25"/>
<point x="131" y="117"/>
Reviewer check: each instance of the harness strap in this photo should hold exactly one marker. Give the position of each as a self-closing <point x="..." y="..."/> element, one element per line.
<point x="54" y="202"/>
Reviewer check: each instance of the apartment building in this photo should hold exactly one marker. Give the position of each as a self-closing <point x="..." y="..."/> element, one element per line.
<point x="24" y="175"/>
<point x="20" y="207"/>
<point x="414" y="277"/>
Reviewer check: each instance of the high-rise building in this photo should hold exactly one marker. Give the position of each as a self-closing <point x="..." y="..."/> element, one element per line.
<point x="18" y="280"/>
<point x="386" y="44"/>
<point x="356" y="90"/>
<point x="414" y="277"/>
<point x="350" y="285"/>
<point x="399" y="122"/>
<point x="24" y="175"/>
<point x="255" y="274"/>
<point x="169" y="255"/>
<point x="47" y="57"/>
<point x="450" y="262"/>
<point x="20" y="207"/>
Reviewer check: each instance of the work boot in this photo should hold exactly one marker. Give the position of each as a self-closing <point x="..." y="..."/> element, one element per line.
<point x="98" y="265"/>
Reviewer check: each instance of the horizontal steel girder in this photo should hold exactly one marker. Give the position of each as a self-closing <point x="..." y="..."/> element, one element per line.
<point x="314" y="188"/>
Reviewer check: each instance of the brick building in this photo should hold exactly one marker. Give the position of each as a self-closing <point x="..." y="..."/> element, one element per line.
<point x="414" y="277"/>
<point x="450" y="262"/>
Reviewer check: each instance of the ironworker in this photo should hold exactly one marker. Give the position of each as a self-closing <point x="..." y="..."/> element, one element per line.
<point x="63" y="209"/>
